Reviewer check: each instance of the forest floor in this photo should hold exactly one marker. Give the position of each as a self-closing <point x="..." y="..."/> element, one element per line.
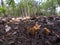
<point x="41" y="30"/>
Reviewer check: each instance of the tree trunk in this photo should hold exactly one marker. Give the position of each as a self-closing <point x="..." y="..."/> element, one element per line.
<point x="2" y="3"/>
<point x="53" y="8"/>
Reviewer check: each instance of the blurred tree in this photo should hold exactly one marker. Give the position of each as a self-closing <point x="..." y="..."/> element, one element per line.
<point x="11" y="4"/>
<point x="50" y="6"/>
<point x="58" y="2"/>
<point x="29" y="7"/>
<point x="2" y="9"/>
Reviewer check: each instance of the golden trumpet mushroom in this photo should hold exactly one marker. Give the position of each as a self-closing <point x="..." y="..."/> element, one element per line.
<point x="46" y="31"/>
<point x="33" y="29"/>
<point x="36" y="27"/>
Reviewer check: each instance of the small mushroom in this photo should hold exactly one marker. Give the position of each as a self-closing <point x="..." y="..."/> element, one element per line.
<point x="46" y="31"/>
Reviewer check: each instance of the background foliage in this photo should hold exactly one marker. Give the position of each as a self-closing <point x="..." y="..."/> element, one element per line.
<point x="29" y="7"/>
